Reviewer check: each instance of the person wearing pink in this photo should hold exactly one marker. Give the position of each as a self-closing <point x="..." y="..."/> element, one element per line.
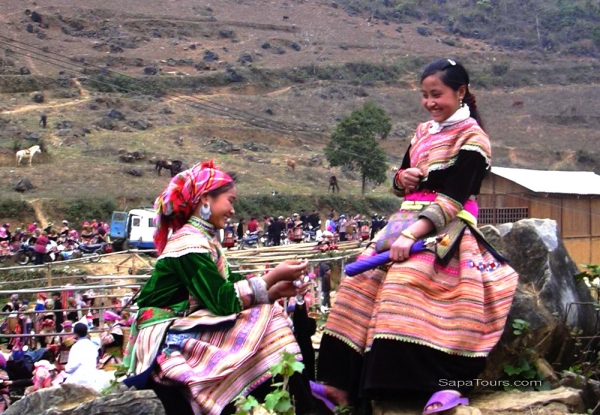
<point x="204" y="334"/>
<point x="40" y="246"/>
<point x="435" y="314"/>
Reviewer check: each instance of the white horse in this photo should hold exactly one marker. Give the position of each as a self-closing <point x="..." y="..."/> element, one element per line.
<point x="28" y="154"/>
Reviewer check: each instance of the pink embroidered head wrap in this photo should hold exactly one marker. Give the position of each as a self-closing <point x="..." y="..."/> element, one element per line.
<point x="175" y="205"/>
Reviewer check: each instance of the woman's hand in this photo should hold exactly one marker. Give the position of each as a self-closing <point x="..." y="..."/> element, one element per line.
<point x="410" y="178"/>
<point x="284" y="289"/>
<point x="400" y="249"/>
<point x="289" y="270"/>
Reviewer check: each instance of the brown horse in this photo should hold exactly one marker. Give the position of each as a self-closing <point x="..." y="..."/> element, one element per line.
<point x="333" y="184"/>
<point x="291" y="163"/>
<point x="174" y="166"/>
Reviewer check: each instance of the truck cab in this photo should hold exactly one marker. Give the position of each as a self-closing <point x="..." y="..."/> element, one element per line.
<point x="133" y="229"/>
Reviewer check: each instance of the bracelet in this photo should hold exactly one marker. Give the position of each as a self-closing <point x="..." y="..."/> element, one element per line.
<point x="407" y="234"/>
<point x="400" y="179"/>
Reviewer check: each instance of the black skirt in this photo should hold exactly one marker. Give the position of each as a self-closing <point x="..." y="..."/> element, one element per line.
<point x="394" y="369"/>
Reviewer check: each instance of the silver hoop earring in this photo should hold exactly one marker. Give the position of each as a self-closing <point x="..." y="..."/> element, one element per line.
<point x="205" y="211"/>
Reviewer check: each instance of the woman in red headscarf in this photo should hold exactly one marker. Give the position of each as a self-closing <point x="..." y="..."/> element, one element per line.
<point x="212" y="333"/>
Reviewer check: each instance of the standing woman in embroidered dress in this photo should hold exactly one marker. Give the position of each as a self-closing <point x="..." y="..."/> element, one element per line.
<point x="429" y="322"/>
<point x="205" y="335"/>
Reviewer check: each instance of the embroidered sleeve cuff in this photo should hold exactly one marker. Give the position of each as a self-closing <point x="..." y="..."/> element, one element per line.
<point x="442" y="211"/>
<point x="251" y="292"/>
<point x="245" y="294"/>
<point x="261" y="294"/>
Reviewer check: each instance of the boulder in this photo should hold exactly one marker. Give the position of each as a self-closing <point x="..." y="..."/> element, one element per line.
<point x="37" y="97"/>
<point x="115" y="114"/>
<point x="522" y="402"/>
<point x="149" y="70"/>
<point x="63" y="125"/>
<point x="106" y="123"/>
<point x="139" y="124"/>
<point x="245" y="58"/>
<point x="252" y="146"/>
<point x="210" y="56"/>
<point x="35" y="137"/>
<point x="221" y="146"/>
<point x="547" y="297"/>
<point x="68" y="399"/>
<point x="23" y="185"/>
<point x="558" y="401"/>
<point x="134" y="172"/>
<point x="227" y="33"/>
<point x="36" y="17"/>
<point x="233" y="75"/>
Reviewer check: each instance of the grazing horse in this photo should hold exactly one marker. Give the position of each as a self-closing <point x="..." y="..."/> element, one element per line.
<point x="174" y="166"/>
<point x="333" y="184"/>
<point x="28" y="154"/>
<point x="291" y="163"/>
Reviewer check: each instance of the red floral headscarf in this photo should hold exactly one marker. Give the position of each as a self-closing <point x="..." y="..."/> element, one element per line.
<point x="175" y="205"/>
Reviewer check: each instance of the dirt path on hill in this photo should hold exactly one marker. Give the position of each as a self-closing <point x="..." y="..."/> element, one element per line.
<point x="36" y="204"/>
<point x="85" y="96"/>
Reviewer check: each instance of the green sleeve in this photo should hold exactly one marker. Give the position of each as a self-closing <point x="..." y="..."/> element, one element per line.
<point x="203" y="280"/>
<point x="235" y="277"/>
<point x="174" y="279"/>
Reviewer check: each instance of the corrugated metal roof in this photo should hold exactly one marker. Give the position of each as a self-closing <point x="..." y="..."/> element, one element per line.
<point x="553" y="181"/>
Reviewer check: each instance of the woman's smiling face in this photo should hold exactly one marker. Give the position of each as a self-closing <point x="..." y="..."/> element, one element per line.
<point x="221" y="207"/>
<point x="439" y="99"/>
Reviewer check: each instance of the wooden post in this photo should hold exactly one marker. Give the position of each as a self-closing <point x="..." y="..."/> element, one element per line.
<point x="316" y="292"/>
<point x="49" y="274"/>
<point x="342" y="274"/>
<point x="133" y="264"/>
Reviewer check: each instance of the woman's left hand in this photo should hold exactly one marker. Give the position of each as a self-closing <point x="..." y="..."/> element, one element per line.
<point x="400" y="249"/>
<point x="285" y="289"/>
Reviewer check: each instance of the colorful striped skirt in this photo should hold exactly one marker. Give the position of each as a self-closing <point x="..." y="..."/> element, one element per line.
<point x="216" y="358"/>
<point x="459" y="308"/>
<point x="405" y="328"/>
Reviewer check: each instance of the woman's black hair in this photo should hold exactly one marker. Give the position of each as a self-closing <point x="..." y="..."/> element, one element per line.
<point x="454" y="75"/>
<point x="220" y="190"/>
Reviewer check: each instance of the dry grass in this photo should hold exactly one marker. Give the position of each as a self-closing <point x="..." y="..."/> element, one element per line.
<point x="546" y="132"/>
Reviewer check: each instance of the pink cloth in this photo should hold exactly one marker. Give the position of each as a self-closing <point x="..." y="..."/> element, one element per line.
<point x="429" y="196"/>
<point x="40" y="244"/>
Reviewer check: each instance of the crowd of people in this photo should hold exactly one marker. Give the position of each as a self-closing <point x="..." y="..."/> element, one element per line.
<point x="304" y="227"/>
<point x="205" y="334"/>
<point x="57" y="347"/>
<point x="51" y="238"/>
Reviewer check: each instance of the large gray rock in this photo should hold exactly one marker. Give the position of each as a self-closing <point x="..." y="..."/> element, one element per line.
<point x="546" y="297"/>
<point x="65" y="395"/>
<point x="557" y="401"/>
<point x="68" y="399"/>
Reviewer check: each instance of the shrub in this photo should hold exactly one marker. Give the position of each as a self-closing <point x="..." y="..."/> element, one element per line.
<point x="500" y="68"/>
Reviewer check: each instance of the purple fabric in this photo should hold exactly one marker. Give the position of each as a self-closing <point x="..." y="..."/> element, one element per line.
<point x="375" y="261"/>
<point x="318" y="391"/>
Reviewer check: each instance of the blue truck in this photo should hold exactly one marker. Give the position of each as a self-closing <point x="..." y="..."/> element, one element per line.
<point x="133" y="229"/>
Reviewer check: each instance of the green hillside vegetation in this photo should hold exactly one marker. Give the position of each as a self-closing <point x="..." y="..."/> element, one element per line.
<point x="553" y="26"/>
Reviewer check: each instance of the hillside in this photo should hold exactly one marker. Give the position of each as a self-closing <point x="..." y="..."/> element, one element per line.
<point x="251" y="83"/>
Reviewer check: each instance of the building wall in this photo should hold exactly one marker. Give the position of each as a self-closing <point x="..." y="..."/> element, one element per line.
<point x="577" y="217"/>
